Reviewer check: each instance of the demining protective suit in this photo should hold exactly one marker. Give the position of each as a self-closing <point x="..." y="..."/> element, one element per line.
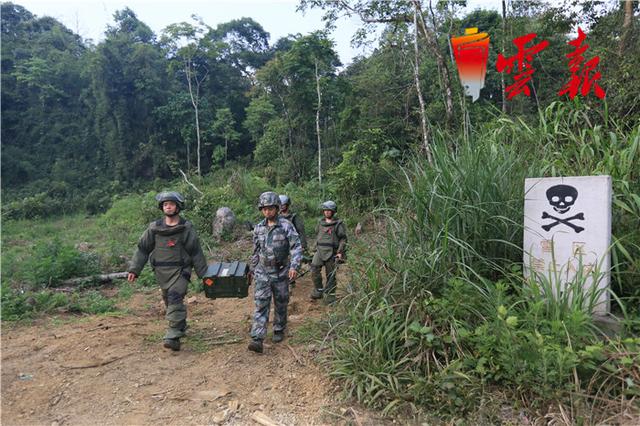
<point x="331" y="240"/>
<point x="172" y="251"/>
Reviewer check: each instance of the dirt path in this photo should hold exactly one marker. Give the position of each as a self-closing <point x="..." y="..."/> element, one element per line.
<point x="113" y="370"/>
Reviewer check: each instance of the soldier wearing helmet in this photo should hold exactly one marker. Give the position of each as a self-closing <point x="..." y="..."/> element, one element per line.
<point x="298" y="223"/>
<point x="331" y="246"/>
<point x="172" y="247"/>
<point x="276" y="259"/>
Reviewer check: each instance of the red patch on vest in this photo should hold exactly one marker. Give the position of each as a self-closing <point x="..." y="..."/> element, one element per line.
<point x="328" y="231"/>
<point x="171" y="243"/>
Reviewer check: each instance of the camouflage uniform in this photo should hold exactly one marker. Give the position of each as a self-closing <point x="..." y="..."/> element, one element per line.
<point x="277" y="249"/>
<point x="172" y="252"/>
<point x="331" y="240"/>
<point x="298" y="223"/>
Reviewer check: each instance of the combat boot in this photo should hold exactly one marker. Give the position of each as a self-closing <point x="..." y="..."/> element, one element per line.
<point x="173" y="344"/>
<point x="278" y="336"/>
<point x="316" y="294"/>
<point x="256" y="346"/>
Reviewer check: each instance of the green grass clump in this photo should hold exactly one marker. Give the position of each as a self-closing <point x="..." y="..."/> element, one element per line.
<point x="18" y="305"/>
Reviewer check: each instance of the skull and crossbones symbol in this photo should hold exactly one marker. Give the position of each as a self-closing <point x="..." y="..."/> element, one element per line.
<point x="562" y="198"/>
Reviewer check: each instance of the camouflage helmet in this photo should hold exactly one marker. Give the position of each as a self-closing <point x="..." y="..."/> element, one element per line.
<point x="267" y="199"/>
<point x="329" y="205"/>
<point x="176" y="197"/>
<point x="284" y="199"/>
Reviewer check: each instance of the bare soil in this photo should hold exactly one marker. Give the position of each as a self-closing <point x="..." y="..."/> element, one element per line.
<point x="113" y="369"/>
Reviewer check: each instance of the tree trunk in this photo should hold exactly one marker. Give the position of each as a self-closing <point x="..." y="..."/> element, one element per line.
<point x="289" y="128"/>
<point x="194" y="102"/>
<point x="197" y="136"/>
<point x="188" y="155"/>
<point x="318" y="125"/>
<point x="226" y="150"/>
<point x="443" y="70"/>
<point x="504" y="37"/>
<point x="626" y="25"/>
<point x="416" y="76"/>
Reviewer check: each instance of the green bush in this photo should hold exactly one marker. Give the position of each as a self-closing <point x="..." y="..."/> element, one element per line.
<point x="98" y="201"/>
<point x="32" y="207"/>
<point x="365" y="172"/>
<point x="54" y="261"/>
<point x="22" y="305"/>
<point x="91" y="302"/>
<point x="129" y="215"/>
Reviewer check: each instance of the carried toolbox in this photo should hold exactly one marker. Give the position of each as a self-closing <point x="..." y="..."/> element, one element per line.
<point x="226" y="280"/>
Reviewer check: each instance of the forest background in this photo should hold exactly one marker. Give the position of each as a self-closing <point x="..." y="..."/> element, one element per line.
<point x="91" y="131"/>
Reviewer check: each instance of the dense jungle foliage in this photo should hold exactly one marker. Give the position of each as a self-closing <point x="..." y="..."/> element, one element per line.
<point x="437" y="318"/>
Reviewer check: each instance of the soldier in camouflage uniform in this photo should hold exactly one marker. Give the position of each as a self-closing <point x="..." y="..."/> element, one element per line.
<point x="173" y="248"/>
<point x="331" y="246"/>
<point x="298" y="223"/>
<point x="276" y="259"/>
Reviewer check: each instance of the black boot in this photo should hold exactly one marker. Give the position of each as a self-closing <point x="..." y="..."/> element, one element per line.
<point x="256" y="346"/>
<point x="316" y="294"/>
<point x="173" y="344"/>
<point x="278" y="336"/>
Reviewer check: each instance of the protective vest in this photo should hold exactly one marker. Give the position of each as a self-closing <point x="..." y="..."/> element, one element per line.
<point x="291" y="217"/>
<point x="169" y="251"/>
<point x="273" y="246"/>
<point x="298" y="224"/>
<point x="328" y="235"/>
<point x="328" y="240"/>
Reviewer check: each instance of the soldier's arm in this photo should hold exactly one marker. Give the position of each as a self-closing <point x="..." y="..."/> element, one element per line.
<point x="141" y="255"/>
<point x="295" y="247"/>
<point x="299" y="224"/>
<point x="316" y="230"/>
<point x="255" y="257"/>
<point x="342" y="238"/>
<point x="194" y="250"/>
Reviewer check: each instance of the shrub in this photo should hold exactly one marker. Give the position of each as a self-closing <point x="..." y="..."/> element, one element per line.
<point x="54" y="261"/>
<point x="364" y="174"/>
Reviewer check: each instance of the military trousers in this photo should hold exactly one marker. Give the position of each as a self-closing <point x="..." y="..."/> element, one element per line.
<point x="330" y="274"/>
<point x="176" y="314"/>
<point x="268" y="286"/>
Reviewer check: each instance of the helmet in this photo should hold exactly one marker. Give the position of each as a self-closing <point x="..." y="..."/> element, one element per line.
<point x="176" y="197"/>
<point x="285" y="200"/>
<point x="268" y="199"/>
<point x="329" y="205"/>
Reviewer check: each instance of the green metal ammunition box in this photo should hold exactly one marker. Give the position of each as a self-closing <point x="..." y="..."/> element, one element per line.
<point x="224" y="280"/>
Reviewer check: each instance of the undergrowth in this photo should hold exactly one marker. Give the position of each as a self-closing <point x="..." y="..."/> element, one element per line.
<point x="442" y="320"/>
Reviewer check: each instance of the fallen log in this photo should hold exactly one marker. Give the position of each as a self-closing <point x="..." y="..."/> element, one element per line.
<point x="98" y="279"/>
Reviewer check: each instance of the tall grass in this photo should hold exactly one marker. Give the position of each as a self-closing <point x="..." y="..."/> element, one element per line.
<point x="442" y="316"/>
